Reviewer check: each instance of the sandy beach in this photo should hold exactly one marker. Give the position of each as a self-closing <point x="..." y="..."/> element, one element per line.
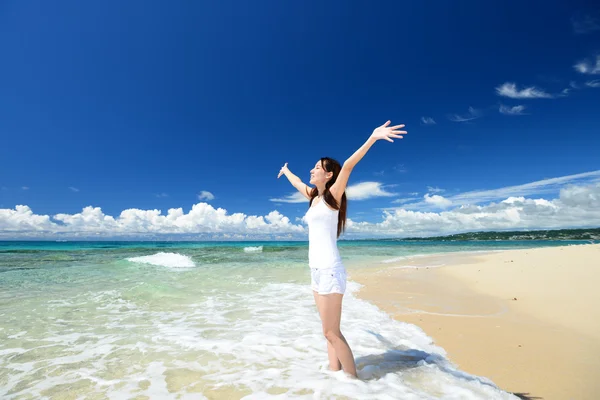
<point x="527" y="319"/>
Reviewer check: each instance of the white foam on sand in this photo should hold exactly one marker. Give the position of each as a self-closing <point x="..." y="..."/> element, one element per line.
<point x="417" y="266"/>
<point x="171" y="260"/>
<point x="259" y="344"/>
<point x="392" y="260"/>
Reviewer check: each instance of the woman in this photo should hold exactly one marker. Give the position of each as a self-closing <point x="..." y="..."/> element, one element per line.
<point x="326" y="220"/>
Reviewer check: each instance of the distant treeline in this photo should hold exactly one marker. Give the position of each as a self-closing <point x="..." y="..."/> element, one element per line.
<point x="560" y="234"/>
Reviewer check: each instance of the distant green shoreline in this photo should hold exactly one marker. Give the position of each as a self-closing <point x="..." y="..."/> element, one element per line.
<point x="558" y="234"/>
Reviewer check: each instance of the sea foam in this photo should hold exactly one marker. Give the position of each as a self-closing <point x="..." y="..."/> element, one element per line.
<point x="171" y="260"/>
<point x="257" y="249"/>
<point x="206" y="334"/>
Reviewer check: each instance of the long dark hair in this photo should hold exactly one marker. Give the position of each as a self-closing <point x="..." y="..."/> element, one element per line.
<point x="331" y="165"/>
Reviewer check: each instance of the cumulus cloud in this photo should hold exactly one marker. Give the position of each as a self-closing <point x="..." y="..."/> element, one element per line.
<point x="588" y="66"/>
<point x="367" y="190"/>
<point x="575" y="202"/>
<point x="92" y="221"/>
<point x="437" y="201"/>
<point x="161" y="195"/>
<point x="471" y="115"/>
<point x="509" y="89"/>
<point x="576" y="206"/>
<point x="428" y="121"/>
<point x="73" y="189"/>
<point x="551" y="185"/>
<point x="515" y="110"/>
<point x="204" y="195"/>
<point x="359" y="191"/>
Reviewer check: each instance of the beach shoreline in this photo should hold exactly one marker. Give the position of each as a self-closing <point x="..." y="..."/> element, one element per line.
<point x="523" y="318"/>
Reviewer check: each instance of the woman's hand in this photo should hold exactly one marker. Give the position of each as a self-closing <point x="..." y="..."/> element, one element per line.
<point x="386" y="132"/>
<point x="283" y="170"/>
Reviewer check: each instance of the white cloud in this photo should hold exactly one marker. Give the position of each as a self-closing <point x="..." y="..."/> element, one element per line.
<point x="359" y="191"/>
<point x="161" y="195"/>
<point x="399" y="168"/>
<point x="588" y="66"/>
<point x="572" y="86"/>
<point x="405" y="200"/>
<point x="595" y="83"/>
<point x="584" y="24"/>
<point x="295" y="197"/>
<point x="428" y="121"/>
<point x="74" y="189"/>
<point x="431" y="189"/>
<point x="471" y="115"/>
<point x="437" y="201"/>
<point x="22" y="220"/>
<point x="25" y="187"/>
<point x="562" y="202"/>
<point x="576" y="206"/>
<point x="204" y="195"/>
<point x="91" y="221"/>
<point x="552" y="185"/>
<point x="366" y="190"/>
<point x="509" y="89"/>
<point x="515" y="110"/>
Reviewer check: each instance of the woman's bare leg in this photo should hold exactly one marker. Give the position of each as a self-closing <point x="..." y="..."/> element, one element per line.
<point x="334" y="362"/>
<point x="331" y="314"/>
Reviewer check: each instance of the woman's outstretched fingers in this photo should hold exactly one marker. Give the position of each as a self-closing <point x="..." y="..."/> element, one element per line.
<point x="281" y="170"/>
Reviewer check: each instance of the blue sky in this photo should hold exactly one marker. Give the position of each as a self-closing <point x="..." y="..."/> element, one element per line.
<point x="140" y="107"/>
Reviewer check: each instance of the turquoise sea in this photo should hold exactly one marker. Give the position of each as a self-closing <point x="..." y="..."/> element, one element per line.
<point x="208" y="320"/>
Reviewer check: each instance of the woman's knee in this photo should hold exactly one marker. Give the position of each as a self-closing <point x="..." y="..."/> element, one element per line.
<point x="332" y="334"/>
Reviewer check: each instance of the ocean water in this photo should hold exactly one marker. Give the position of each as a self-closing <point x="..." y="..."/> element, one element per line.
<point x="211" y="320"/>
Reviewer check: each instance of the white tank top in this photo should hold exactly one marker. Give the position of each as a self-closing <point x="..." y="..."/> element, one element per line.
<point x="322" y="236"/>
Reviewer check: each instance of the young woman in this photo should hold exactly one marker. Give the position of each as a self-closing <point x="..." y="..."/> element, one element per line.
<point x="326" y="219"/>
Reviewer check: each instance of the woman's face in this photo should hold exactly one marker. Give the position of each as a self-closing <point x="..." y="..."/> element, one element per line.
<point x="318" y="175"/>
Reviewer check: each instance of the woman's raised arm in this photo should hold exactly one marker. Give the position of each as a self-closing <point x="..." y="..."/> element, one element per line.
<point x="382" y="132"/>
<point x="295" y="181"/>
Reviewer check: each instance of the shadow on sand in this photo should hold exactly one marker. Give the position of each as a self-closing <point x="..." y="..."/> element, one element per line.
<point x="526" y="396"/>
<point x="402" y="358"/>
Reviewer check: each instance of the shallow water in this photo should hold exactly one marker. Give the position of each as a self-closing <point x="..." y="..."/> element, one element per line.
<point x="205" y="320"/>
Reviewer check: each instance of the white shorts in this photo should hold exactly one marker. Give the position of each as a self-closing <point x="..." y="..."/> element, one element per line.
<point x="328" y="280"/>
